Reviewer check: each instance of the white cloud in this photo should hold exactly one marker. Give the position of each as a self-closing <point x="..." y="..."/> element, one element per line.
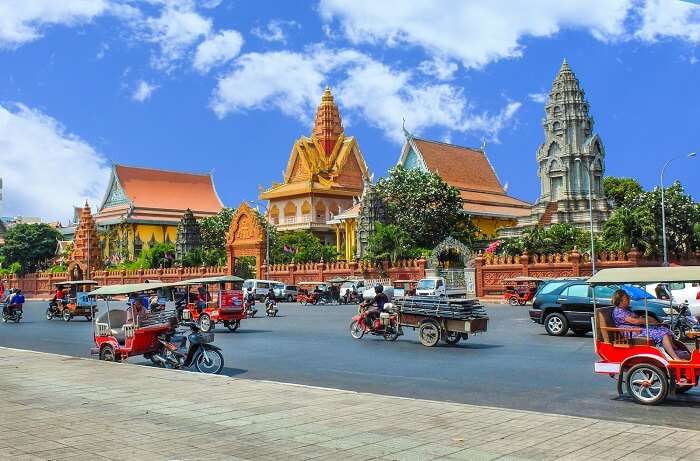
<point x="102" y="50"/>
<point x="217" y="49"/>
<point x="210" y="3"/>
<point x="143" y="91"/>
<point x="471" y="31"/>
<point x="669" y="18"/>
<point x="439" y="67"/>
<point x="175" y="30"/>
<point x="540" y="98"/>
<point x="48" y="169"/>
<point x="293" y="83"/>
<point x="22" y="21"/>
<point x="274" y="30"/>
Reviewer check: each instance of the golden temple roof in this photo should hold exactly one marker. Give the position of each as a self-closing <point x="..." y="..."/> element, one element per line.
<point x="328" y="160"/>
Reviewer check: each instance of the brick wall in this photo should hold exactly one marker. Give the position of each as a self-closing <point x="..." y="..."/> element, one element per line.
<point x="491" y="269"/>
<point x="291" y="274"/>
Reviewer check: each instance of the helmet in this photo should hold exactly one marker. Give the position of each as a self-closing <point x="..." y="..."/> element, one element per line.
<point x="378" y="288"/>
<point x="250" y="288"/>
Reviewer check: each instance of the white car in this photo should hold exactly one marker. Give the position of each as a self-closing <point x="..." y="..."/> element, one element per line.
<point x="682" y="292"/>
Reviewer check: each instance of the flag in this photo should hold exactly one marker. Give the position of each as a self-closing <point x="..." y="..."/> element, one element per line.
<point x="288" y="249"/>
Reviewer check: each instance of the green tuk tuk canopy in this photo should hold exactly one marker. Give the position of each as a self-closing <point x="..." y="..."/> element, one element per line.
<point x="126" y="289"/>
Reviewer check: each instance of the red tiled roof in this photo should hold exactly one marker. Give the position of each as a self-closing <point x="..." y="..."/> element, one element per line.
<point x="461" y="167"/>
<point x="168" y="190"/>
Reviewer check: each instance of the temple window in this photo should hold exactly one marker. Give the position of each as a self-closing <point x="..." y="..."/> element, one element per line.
<point x="320" y="211"/>
<point x="290" y="213"/>
<point x="275" y="214"/>
<point x="306" y="211"/>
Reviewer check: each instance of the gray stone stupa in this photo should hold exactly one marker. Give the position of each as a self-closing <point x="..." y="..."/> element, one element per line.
<point x="570" y="145"/>
<point x="188" y="235"/>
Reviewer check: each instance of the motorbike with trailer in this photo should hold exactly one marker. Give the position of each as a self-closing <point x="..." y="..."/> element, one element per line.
<point x="628" y="355"/>
<point x="386" y="324"/>
<point x="222" y="303"/>
<point x="118" y="337"/>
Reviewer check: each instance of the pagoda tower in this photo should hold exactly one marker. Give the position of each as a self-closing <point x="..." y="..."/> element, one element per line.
<point x="328" y="127"/>
<point x="188" y="235"/>
<point x="571" y="150"/>
<point x="85" y="255"/>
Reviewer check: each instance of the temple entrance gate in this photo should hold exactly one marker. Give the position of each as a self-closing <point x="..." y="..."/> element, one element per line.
<point x="246" y="237"/>
<point x="463" y="277"/>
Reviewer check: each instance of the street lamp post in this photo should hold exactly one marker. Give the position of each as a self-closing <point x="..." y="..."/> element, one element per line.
<point x="663" y="206"/>
<point x="590" y="212"/>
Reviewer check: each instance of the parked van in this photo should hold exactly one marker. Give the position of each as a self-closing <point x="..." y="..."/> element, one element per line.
<point x="260" y="287"/>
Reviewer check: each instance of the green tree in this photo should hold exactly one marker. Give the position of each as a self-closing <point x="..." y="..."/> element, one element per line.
<point x="421" y="204"/>
<point x="157" y="256"/>
<point x="303" y="246"/>
<point x="681" y="216"/>
<point x="558" y="238"/>
<point x="622" y="191"/>
<point x="389" y="242"/>
<point x="628" y="227"/>
<point x="30" y="245"/>
<point x="213" y="229"/>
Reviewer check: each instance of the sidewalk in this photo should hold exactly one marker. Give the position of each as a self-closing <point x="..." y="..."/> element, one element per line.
<point x="55" y="407"/>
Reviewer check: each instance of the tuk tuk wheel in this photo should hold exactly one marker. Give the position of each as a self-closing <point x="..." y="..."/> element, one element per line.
<point x="66" y="315"/>
<point x="356" y="330"/>
<point x="49" y="314"/>
<point x="647" y="384"/>
<point x="107" y="353"/>
<point x="233" y="326"/>
<point x="205" y="323"/>
<point x="429" y="333"/>
<point x="513" y="301"/>
<point x="452" y="337"/>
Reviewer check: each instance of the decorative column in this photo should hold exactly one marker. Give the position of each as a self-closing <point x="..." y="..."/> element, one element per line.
<point x="575" y="259"/>
<point x="85" y="256"/>
<point x="479" y="272"/>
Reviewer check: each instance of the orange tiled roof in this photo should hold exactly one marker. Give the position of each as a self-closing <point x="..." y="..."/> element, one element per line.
<point x="148" y="188"/>
<point x="461" y="167"/>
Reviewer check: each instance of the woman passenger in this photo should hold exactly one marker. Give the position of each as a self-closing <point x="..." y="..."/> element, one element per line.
<point x="623" y="317"/>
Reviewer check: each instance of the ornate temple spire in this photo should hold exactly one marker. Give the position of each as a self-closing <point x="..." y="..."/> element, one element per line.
<point x="567" y="104"/>
<point x="328" y="126"/>
<point x="86" y="253"/>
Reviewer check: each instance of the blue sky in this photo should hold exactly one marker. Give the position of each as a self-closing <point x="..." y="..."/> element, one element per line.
<point x="227" y="86"/>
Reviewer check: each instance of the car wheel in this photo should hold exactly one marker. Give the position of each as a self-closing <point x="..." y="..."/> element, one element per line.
<point x="290" y="299"/>
<point x="556" y="324"/>
<point x="647" y="384"/>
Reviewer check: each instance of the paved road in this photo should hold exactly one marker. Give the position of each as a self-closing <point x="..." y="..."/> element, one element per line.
<point x="514" y="365"/>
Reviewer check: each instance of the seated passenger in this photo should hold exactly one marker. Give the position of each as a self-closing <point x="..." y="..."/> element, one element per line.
<point x="136" y="311"/>
<point x="623" y="317"/>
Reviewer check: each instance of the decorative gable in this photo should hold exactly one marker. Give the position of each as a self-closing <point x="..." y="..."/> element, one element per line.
<point x="351" y="173"/>
<point x="413" y="160"/>
<point x="116" y="195"/>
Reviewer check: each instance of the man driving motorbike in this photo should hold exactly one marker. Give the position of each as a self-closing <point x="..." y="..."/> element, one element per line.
<point x="379" y="300"/>
<point x="16" y="302"/>
<point x="250" y="297"/>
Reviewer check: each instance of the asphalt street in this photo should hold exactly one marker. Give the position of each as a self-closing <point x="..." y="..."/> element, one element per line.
<point x="514" y="365"/>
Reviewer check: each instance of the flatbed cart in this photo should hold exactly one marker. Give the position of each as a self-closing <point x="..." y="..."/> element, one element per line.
<point x="448" y="319"/>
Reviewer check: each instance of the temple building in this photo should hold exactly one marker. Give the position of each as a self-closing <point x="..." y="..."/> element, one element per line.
<point x="571" y="161"/>
<point x="143" y="206"/>
<point x="85" y="254"/>
<point x="469" y="170"/>
<point x="325" y="176"/>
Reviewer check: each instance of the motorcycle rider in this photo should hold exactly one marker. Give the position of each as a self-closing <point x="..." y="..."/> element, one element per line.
<point x="8" y="301"/>
<point x="379" y="300"/>
<point x="16" y="302"/>
<point x="270" y="297"/>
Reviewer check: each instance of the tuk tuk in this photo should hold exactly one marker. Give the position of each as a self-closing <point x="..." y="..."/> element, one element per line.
<point x="211" y="301"/>
<point x="520" y="290"/>
<point x="119" y="333"/>
<point x="72" y="299"/>
<point x="313" y="293"/>
<point x="404" y="287"/>
<point x="628" y="354"/>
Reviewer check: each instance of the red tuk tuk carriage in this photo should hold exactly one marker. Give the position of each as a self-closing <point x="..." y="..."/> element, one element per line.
<point x="71" y="299"/>
<point x="628" y="354"/>
<point x="222" y="304"/>
<point x="313" y="293"/>
<point x="123" y="333"/>
<point x="116" y="336"/>
<point x="520" y="290"/>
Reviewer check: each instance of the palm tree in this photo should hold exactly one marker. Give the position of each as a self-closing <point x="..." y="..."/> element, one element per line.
<point x="631" y="227"/>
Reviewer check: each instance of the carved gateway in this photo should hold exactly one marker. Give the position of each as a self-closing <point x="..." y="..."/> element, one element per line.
<point x="246" y="237"/>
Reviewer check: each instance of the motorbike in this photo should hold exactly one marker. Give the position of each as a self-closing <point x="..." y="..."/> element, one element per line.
<point x="181" y="350"/>
<point x="386" y="325"/>
<point x="352" y="298"/>
<point x="250" y="309"/>
<point x="11" y="313"/>
<point x="271" y="307"/>
<point x="683" y="322"/>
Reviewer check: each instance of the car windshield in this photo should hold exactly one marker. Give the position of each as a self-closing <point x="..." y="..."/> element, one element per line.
<point x="279" y="285"/>
<point x="426" y="284"/>
<point x="549" y="287"/>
